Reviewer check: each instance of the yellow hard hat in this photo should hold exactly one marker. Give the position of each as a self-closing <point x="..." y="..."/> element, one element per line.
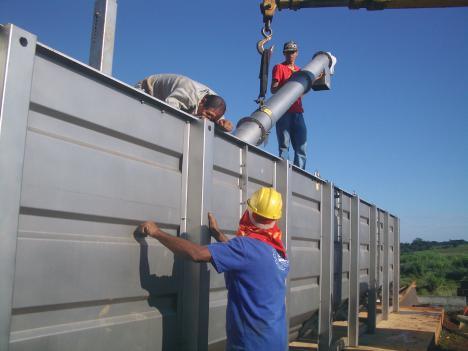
<point x="266" y="202"/>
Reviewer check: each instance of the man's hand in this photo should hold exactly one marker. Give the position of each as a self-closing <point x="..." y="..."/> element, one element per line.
<point x="225" y="125"/>
<point x="213" y="223"/>
<point x="214" y="229"/>
<point x="149" y="228"/>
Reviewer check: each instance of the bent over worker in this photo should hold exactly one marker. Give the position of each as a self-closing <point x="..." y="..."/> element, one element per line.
<point x="255" y="267"/>
<point x="291" y="127"/>
<point x="187" y="95"/>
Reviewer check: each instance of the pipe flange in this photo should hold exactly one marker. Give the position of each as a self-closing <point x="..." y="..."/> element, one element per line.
<point x="260" y="125"/>
<point x="307" y="75"/>
<point x="330" y="60"/>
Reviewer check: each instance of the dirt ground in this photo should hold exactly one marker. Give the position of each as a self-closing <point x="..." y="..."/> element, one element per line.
<point x="451" y="342"/>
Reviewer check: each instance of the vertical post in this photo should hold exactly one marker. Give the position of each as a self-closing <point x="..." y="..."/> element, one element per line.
<point x="325" y="331"/>
<point x="244" y="185"/>
<point x="103" y="35"/>
<point x="353" y="304"/>
<point x="17" y="50"/>
<point x="385" y="282"/>
<point x="373" y="268"/>
<point x="378" y="249"/>
<point x="396" y="265"/>
<point x="196" y="278"/>
<point x="283" y="176"/>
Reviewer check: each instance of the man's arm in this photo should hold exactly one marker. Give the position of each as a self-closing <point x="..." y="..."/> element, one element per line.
<point x="274" y="86"/>
<point x="215" y="231"/>
<point x="275" y="79"/>
<point x="178" y="246"/>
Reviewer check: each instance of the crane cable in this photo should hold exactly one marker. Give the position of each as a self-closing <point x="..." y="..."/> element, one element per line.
<point x="267" y="7"/>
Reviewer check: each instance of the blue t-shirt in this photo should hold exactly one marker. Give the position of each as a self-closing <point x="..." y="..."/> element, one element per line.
<point x="255" y="275"/>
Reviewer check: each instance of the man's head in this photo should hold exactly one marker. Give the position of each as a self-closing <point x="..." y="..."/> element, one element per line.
<point x="290" y="51"/>
<point x="211" y="107"/>
<point x="266" y="205"/>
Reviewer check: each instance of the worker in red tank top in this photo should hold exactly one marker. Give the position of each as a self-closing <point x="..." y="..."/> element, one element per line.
<point x="290" y="128"/>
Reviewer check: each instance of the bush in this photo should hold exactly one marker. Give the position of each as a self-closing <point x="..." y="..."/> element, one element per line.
<point x="432" y="282"/>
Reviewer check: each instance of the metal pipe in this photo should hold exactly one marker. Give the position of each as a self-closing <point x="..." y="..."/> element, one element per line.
<point x="103" y="35"/>
<point x="254" y="129"/>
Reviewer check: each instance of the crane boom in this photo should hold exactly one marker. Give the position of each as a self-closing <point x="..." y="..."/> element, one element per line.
<point x="368" y="4"/>
<point x="268" y="7"/>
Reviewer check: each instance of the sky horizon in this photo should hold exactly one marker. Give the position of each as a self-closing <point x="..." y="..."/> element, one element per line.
<point x="394" y="126"/>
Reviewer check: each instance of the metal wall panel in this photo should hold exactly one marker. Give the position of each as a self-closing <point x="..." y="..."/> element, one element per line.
<point x="364" y="249"/>
<point x="97" y="163"/>
<point x="304" y="231"/>
<point x="101" y="157"/>
<point x="346" y="234"/>
<point x="226" y="206"/>
<point x="391" y="248"/>
<point x="17" y="54"/>
<point x="380" y="247"/>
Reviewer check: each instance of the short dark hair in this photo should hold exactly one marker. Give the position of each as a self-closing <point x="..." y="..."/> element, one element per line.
<point x="215" y="102"/>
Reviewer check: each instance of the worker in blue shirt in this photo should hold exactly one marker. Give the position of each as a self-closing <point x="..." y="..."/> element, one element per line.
<point x="255" y="266"/>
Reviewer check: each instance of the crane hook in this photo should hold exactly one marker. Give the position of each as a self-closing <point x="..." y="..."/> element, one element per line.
<point x="267" y="35"/>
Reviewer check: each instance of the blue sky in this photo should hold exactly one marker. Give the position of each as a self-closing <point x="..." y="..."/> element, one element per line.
<point x="394" y="127"/>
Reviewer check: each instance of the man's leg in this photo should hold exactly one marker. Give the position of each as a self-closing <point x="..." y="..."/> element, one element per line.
<point x="282" y="133"/>
<point x="299" y="140"/>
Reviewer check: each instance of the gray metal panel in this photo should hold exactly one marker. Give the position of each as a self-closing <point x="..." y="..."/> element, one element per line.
<point x="364" y="240"/>
<point x="304" y="228"/>
<point x="68" y="185"/>
<point x="345" y="247"/>
<point x="66" y="262"/>
<point x="283" y="179"/>
<point x="194" y="316"/>
<point x="227" y="155"/>
<point x="305" y="260"/>
<point x="305" y="186"/>
<point x="133" y="332"/>
<point x="227" y="197"/>
<point x="305" y="218"/>
<point x="380" y="245"/>
<point x="325" y="334"/>
<point x="88" y="102"/>
<point x="304" y="296"/>
<point x="92" y="172"/>
<point x="345" y="271"/>
<point x="261" y="169"/>
<point x="391" y="247"/>
<point x="353" y="305"/>
<point x="17" y="49"/>
<point x="386" y="281"/>
<point x="396" y="268"/>
<point x="373" y="268"/>
<point x="226" y="200"/>
<point x="346" y="203"/>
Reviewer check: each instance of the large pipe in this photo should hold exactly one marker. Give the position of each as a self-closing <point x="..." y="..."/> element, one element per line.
<point x="255" y="128"/>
